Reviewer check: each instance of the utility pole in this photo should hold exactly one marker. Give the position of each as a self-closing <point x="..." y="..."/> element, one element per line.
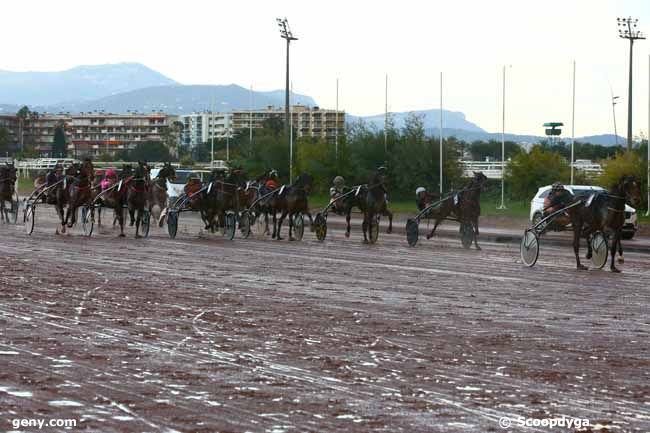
<point x="647" y="212"/>
<point x="503" y="140"/>
<point x="573" y="120"/>
<point x="440" y="134"/>
<point x="614" y="98"/>
<point x="627" y="30"/>
<point x="336" y="126"/>
<point x="285" y="33"/>
<point x="386" y="119"/>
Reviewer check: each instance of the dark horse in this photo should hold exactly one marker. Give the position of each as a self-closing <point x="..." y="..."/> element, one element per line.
<point x="224" y="193"/>
<point x="115" y="198"/>
<point x="8" y="179"/>
<point x="79" y="190"/>
<point x="291" y="200"/>
<point x="137" y="195"/>
<point x="375" y="201"/>
<point x="605" y="212"/>
<point x="464" y="205"/>
<point x="356" y="197"/>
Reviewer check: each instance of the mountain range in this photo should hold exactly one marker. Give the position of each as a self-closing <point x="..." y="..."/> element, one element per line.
<point x="123" y="87"/>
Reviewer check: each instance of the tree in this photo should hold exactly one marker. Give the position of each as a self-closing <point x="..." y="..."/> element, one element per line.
<point x="171" y="136"/>
<point x="526" y="172"/>
<point x="481" y="150"/>
<point x="4" y="140"/>
<point x="627" y="163"/>
<point x="23" y="115"/>
<point x="59" y="147"/>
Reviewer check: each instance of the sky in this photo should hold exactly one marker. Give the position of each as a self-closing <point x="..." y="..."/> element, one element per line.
<point x="413" y="42"/>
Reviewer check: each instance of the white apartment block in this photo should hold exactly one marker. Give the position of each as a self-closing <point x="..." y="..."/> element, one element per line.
<point x="306" y="121"/>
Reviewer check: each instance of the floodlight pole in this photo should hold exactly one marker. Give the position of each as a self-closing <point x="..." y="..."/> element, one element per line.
<point x="440" y="134"/>
<point x="647" y="212"/>
<point x="285" y="33"/>
<point x="627" y="30"/>
<point x="614" y="98"/>
<point x="386" y="119"/>
<point x="503" y="140"/>
<point x="336" y="126"/>
<point x="573" y="121"/>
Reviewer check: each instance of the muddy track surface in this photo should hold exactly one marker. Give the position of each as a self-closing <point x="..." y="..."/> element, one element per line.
<point x="201" y="334"/>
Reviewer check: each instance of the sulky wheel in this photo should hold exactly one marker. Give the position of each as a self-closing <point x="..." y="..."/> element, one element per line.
<point x="29" y="217"/>
<point x="529" y="248"/>
<point x="466" y="234"/>
<point x="320" y="226"/>
<point x="245" y="224"/>
<point x="599" y="249"/>
<point x="298" y="226"/>
<point x="230" y="225"/>
<point x="145" y="224"/>
<point x="412" y="231"/>
<point x="87" y="220"/>
<point x="373" y="229"/>
<point x="172" y="223"/>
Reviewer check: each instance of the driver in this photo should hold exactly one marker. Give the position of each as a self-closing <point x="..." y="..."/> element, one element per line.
<point x="272" y="182"/>
<point x="336" y="191"/>
<point x="110" y="177"/>
<point x="556" y="200"/>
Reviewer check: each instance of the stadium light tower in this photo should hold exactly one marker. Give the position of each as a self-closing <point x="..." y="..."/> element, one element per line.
<point x="627" y="30"/>
<point x="285" y="33"/>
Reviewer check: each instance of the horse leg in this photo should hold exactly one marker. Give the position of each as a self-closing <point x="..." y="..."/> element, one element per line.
<point x="347" y="222"/>
<point x="613" y="248"/>
<point x="590" y="251"/>
<point x="311" y="221"/>
<point x="435" y="226"/>
<point x="282" y="217"/>
<point x="291" y="238"/>
<point x="132" y="217"/>
<point x="120" y="219"/>
<point x="389" y="214"/>
<point x="577" y="229"/>
<point x="621" y="259"/>
<point x="364" y="227"/>
<point x="475" y="224"/>
<point x="137" y="223"/>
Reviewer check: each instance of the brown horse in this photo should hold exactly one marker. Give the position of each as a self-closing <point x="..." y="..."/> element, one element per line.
<point x="79" y="190"/>
<point x="464" y="205"/>
<point x="291" y="200"/>
<point x="137" y="195"/>
<point x="606" y="213"/>
<point x="8" y="178"/>
<point x="375" y="201"/>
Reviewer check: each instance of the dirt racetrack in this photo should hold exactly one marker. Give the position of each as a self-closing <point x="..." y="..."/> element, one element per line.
<point x="201" y="334"/>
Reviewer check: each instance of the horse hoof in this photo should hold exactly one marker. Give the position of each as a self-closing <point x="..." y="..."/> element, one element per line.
<point x="478" y="248"/>
<point x="389" y="231"/>
<point x="582" y="268"/>
<point x="365" y="241"/>
<point x="138" y="236"/>
<point x="616" y="270"/>
<point x="588" y="256"/>
<point x="621" y="260"/>
<point x="278" y="238"/>
<point x="292" y="239"/>
<point x="347" y="234"/>
<point x="429" y="237"/>
<point x="121" y="235"/>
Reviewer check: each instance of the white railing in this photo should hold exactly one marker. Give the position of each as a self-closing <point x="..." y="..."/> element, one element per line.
<point x="492" y="170"/>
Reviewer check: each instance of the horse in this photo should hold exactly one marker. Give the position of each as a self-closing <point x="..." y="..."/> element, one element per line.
<point x="8" y="178"/>
<point x="255" y="190"/>
<point x="79" y="190"/>
<point x="115" y="198"/>
<point x="225" y="194"/>
<point x="605" y="212"/>
<point x="375" y="201"/>
<point x="158" y="191"/>
<point x="137" y="195"/>
<point x="345" y="204"/>
<point x="291" y="200"/>
<point x="465" y="205"/>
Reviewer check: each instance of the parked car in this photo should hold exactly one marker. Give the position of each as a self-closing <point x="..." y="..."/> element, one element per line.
<point x="537" y="206"/>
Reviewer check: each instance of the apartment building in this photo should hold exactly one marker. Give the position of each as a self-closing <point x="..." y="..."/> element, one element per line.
<point x="97" y="133"/>
<point x="307" y="122"/>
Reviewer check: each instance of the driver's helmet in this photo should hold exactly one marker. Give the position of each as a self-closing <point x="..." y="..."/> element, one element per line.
<point x="381" y="170"/>
<point x="420" y="190"/>
<point x="557" y="186"/>
<point x="110" y="173"/>
<point x="339" y="182"/>
<point x="58" y="167"/>
<point x="273" y="174"/>
<point x="41" y="174"/>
